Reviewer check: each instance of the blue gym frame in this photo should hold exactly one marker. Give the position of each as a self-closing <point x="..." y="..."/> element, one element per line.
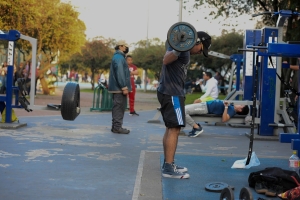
<point x="12" y="36"/>
<point x="284" y="50"/>
<point x="238" y="60"/>
<point x="267" y="93"/>
<point x="266" y="90"/>
<point x="252" y="37"/>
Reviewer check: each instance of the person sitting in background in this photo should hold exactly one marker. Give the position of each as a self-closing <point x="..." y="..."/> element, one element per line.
<point x="138" y="81"/>
<point x="217" y="107"/>
<point x="220" y="80"/>
<point x="211" y="88"/>
<point x="218" y="77"/>
<point x="293" y="67"/>
<point x="189" y="86"/>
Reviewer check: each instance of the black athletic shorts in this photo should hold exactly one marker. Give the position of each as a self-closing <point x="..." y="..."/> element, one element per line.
<point x="172" y="110"/>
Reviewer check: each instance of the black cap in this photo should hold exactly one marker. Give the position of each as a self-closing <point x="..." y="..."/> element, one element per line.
<point x="205" y="39"/>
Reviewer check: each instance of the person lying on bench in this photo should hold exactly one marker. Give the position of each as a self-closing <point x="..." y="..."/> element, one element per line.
<point x="218" y="107"/>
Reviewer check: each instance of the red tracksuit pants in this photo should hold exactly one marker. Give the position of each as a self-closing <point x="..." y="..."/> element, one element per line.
<point x="131" y="97"/>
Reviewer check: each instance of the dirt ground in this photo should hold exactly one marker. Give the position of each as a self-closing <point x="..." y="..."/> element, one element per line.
<point x="144" y="101"/>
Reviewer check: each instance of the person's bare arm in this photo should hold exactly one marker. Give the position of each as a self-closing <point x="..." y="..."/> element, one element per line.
<point x="135" y="72"/>
<point x="294" y="67"/>
<point x="170" y="57"/>
<point x="225" y="116"/>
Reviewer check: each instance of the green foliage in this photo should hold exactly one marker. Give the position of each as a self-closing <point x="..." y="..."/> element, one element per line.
<point x="95" y="56"/>
<point x="228" y="44"/>
<point x="235" y="8"/>
<point x="149" y="56"/>
<point x="190" y="98"/>
<point x="55" y="25"/>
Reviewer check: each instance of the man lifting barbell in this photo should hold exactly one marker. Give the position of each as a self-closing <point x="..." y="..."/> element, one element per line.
<point x="183" y="41"/>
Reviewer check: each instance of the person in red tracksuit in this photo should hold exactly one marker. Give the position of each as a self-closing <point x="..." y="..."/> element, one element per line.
<point x="133" y="71"/>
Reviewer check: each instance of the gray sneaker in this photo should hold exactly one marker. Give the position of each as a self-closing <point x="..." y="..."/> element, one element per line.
<point x="179" y="168"/>
<point x="170" y="171"/>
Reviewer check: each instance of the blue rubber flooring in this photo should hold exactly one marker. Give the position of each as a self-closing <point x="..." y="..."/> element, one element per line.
<point x="208" y="169"/>
<point x="53" y="159"/>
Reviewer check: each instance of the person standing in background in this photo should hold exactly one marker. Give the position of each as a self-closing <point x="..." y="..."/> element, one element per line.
<point x="133" y="71"/>
<point x="3" y="73"/>
<point x="119" y="86"/>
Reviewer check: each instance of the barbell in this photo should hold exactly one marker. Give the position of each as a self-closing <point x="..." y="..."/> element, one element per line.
<point x="182" y="36"/>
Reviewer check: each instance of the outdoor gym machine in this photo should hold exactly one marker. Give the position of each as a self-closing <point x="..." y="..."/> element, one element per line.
<point x="268" y="92"/>
<point x="70" y="103"/>
<point x="12" y="36"/>
<point x="264" y="52"/>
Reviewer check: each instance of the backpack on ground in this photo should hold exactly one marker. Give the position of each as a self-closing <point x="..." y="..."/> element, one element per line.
<point x="275" y="177"/>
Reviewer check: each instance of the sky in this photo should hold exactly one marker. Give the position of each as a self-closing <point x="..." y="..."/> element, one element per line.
<point x="135" y="20"/>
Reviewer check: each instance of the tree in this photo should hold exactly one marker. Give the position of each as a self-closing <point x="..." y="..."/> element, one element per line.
<point x="149" y="55"/>
<point x="95" y="55"/>
<point x="55" y="25"/>
<point x="228" y="44"/>
<point x="235" y="8"/>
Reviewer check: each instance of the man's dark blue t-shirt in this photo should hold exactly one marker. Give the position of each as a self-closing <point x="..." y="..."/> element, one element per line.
<point x="217" y="107"/>
<point x="173" y="75"/>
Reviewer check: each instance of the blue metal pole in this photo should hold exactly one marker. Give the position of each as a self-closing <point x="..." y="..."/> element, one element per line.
<point x="252" y="37"/>
<point x="238" y="59"/>
<point x="268" y="87"/>
<point x="11" y="37"/>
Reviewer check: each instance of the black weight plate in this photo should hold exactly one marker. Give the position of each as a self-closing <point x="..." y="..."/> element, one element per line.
<point x="70" y="101"/>
<point x="215" y="186"/>
<point x="227" y="194"/>
<point x="182" y="36"/>
<point x="245" y="194"/>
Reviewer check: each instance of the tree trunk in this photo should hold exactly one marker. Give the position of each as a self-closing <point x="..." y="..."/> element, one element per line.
<point x="44" y="85"/>
<point x="93" y="79"/>
<point x="145" y="79"/>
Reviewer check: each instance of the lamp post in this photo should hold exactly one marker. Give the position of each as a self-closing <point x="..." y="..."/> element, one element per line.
<point x="147" y="45"/>
<point x="180" y="10"/>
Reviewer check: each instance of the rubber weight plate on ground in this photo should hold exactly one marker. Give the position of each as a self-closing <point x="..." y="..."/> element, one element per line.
<point x="215" y="186"/>
<point x="227" y="194"/>
<point x="245" y="194"/>
<point x="70" y="102"/>
<point x="182" y="36"/>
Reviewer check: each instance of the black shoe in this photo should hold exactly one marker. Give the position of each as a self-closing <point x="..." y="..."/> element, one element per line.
<point x="261" y="188"/>
<point x="274" y="190"/>
<point x="133" y="113"/>
<point x="121" y="131"/>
